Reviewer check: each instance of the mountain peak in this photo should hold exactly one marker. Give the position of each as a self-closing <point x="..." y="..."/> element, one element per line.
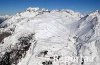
<point x="98" y="11"/>
<point x="33" y="9"/>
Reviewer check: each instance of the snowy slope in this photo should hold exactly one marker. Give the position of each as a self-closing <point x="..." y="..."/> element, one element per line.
<point x="43" y="37"/>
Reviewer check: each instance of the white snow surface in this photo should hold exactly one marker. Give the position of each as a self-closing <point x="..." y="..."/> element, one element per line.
<point x="61" y="32"/>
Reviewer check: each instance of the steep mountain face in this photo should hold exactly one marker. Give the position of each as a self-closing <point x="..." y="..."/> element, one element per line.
<point x="57" y="37"/>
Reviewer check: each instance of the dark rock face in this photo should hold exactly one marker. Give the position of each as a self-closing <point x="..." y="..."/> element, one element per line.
<point x="15" y="55"/>
<point x="6" y="59"/>
<point x="43" y="53"/>
<point x="1" y="20"/>
<point x="3" y="35"/>
<point x="47" y="63"/>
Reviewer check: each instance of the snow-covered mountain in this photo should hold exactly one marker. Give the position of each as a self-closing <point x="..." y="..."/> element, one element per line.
<point x="42" y="37"/>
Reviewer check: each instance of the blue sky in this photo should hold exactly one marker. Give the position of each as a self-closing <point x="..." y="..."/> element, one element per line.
<point x="14" y="6"/>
